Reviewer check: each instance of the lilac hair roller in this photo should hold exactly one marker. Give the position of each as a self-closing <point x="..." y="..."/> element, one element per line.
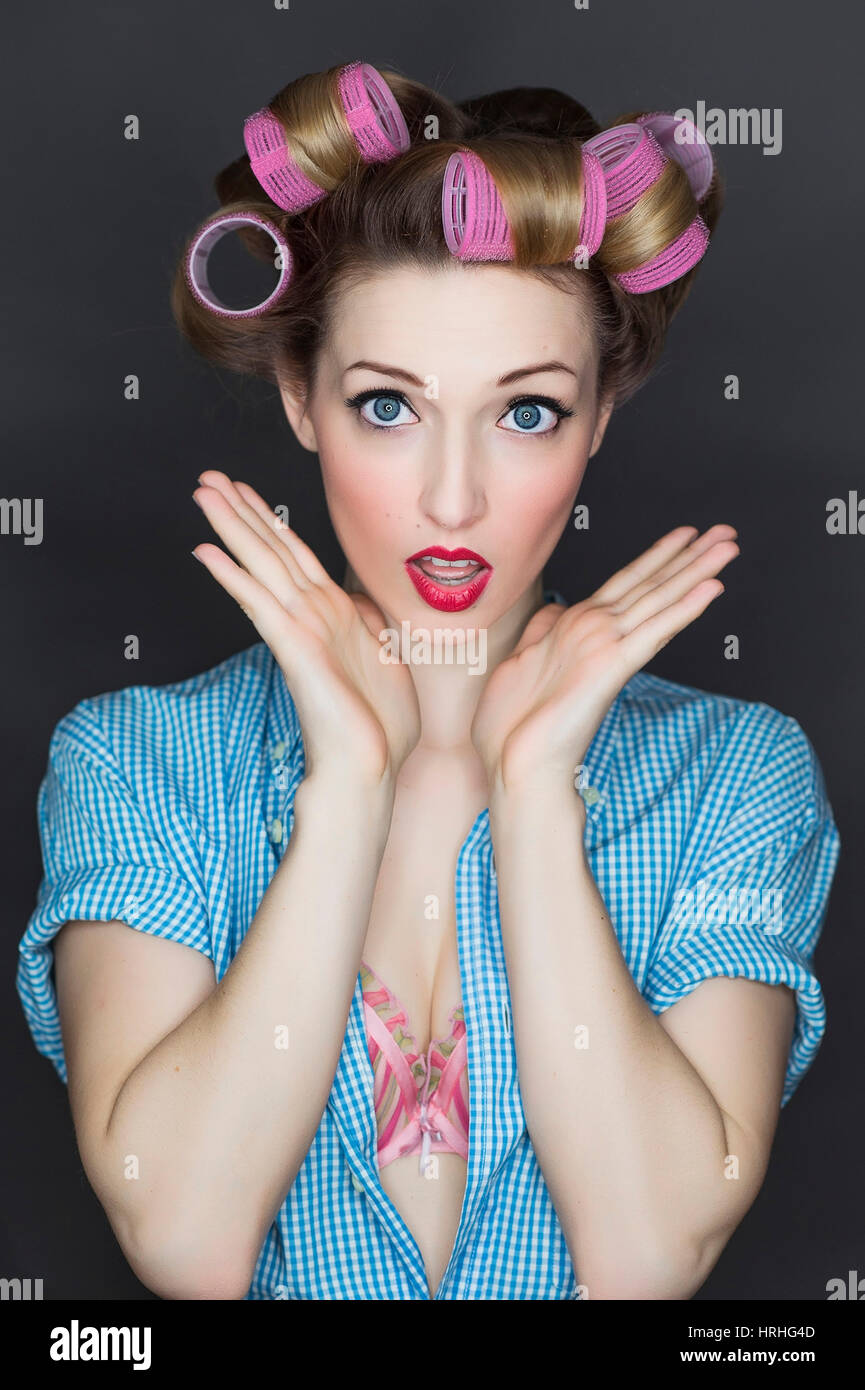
<point x="199" y="255"/>
<point x="692" y="152"/>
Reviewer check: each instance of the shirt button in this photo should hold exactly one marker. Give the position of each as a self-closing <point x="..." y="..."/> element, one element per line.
<point x="356" y="1183"/>
<point x="274" y="830"/>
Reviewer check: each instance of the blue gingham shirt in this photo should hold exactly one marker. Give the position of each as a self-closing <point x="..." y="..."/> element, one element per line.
<point x="169" y="807"/>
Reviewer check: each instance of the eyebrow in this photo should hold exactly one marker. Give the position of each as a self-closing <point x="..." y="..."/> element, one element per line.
<point x="505" y="380"/>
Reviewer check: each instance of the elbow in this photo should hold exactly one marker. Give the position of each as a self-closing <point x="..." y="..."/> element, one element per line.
<point x="187" y="1270"/>
<point x="177" y="1263"/>
<point x="650" y="1274"/>
<point x="186" y="1257"/>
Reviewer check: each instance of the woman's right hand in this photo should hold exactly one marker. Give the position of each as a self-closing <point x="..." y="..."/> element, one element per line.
<point x="357" y="712"/>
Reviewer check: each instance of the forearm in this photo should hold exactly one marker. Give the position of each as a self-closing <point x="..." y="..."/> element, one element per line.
<point x="221" y="1114"/>
<point x="630" y="1140"/>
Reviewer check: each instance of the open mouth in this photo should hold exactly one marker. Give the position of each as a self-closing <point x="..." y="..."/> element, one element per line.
<point x="448" y="580"/>
<point x="449" y="572"/>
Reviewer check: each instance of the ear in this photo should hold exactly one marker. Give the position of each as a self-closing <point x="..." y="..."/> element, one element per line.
<point x="294" y="405"/>
<point x="604" y="412"/>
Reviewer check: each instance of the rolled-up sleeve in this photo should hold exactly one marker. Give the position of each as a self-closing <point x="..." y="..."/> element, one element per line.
<point x="113" y="849"/>
<point x="753" y="905"/>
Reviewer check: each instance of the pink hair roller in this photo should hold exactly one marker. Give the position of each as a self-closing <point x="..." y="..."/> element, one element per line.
<point x="593" y="218"/>
<point x="633" y="156"/>
<point x="199" y="254"/>
<point x="273" y="166"/>
<point x="374" y="119"/>
<point x="631" y="159"/>
<point x="473" y="218"/>
<point x="671" y="263"/>
<point x="373" y="113"/>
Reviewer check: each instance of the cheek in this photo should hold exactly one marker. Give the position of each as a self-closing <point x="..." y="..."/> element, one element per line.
<point x="543" y="509"/>
<point x="363" y="500"/>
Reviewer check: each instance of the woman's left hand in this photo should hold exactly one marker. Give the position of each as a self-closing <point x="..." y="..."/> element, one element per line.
<point x="541" y="707"/>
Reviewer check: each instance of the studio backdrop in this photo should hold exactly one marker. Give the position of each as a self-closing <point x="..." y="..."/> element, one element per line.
<point x="120" y="115"/>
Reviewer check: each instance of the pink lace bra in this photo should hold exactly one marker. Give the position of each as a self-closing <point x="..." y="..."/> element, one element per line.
<point x="421" y="1100"/>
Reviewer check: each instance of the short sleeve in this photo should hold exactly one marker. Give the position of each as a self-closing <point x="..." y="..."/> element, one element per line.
<point x="753" y="905"/>
<point x="114" y="847"/>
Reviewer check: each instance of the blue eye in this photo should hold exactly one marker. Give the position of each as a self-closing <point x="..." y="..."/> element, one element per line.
<point x="386" y="408"/>
<point x="532" y="411"/>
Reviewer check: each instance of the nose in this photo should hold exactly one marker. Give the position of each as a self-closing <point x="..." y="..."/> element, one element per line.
<point x="453" y="494"/>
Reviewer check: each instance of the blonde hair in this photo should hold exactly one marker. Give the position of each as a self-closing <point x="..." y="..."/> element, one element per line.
<point x="378" y="215"/>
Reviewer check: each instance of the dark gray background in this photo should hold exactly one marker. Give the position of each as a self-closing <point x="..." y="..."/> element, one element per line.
<point x="97" y="224"/>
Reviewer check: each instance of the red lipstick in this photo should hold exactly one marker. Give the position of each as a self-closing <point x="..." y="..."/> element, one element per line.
<point x="449" y="587"/>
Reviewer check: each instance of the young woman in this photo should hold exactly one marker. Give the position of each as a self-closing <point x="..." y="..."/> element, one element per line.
<point x="448" y="978"/>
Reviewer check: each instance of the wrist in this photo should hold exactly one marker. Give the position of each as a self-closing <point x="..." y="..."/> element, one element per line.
<point x="549" y="799"/>
<point x="345" y="792"/>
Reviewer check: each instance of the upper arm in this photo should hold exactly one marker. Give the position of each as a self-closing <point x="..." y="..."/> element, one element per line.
<point x="742" y="926"/>
<point x="736" y="1033"/>
<point x="119" y="993"/>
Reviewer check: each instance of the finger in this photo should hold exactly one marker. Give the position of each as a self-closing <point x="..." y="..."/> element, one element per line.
<point x="225" y="487"/>
<point x="264" y="611"/>
<point x="647" y="640"/>
<point x="303" y="554"/>
<point x="645" y="565"/>
<point x="678" y="585"/>
<point x="257" y="554"/>
<point x="691" y="552"/>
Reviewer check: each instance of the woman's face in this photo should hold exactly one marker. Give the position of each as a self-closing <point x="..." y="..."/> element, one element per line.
<point x="452" y="408"/>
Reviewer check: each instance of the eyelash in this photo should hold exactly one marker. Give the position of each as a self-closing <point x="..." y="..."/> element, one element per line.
<point x="558" y="407"/>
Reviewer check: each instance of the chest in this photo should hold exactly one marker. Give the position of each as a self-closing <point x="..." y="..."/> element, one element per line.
<point x="411" y="940"/>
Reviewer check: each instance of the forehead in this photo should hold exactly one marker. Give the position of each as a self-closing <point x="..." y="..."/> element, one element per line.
<point x="480" y="320"/>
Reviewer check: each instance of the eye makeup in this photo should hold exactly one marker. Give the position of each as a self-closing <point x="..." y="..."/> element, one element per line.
<point x="558" y="407"/>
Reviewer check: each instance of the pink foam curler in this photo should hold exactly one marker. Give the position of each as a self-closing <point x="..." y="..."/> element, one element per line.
<point x="199" y="255"/>
<point x="374" y="118"/>
<point x="473" y="218"/>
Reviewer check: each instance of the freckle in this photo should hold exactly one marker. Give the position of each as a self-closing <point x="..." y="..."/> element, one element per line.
<point x="177" y="1068"/>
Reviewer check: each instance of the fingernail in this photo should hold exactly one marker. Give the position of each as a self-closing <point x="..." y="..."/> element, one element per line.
<point x="198" y="557"/>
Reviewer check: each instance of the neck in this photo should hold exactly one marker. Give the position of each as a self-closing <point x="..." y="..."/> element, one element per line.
<point x="448" y="693"/>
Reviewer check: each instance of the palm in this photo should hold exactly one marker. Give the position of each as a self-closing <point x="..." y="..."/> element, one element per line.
<point x="542" y="706"/>
<point x="354" y="708"/>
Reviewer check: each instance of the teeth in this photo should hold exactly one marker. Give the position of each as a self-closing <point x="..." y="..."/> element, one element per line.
<point x="460" y="563"/>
